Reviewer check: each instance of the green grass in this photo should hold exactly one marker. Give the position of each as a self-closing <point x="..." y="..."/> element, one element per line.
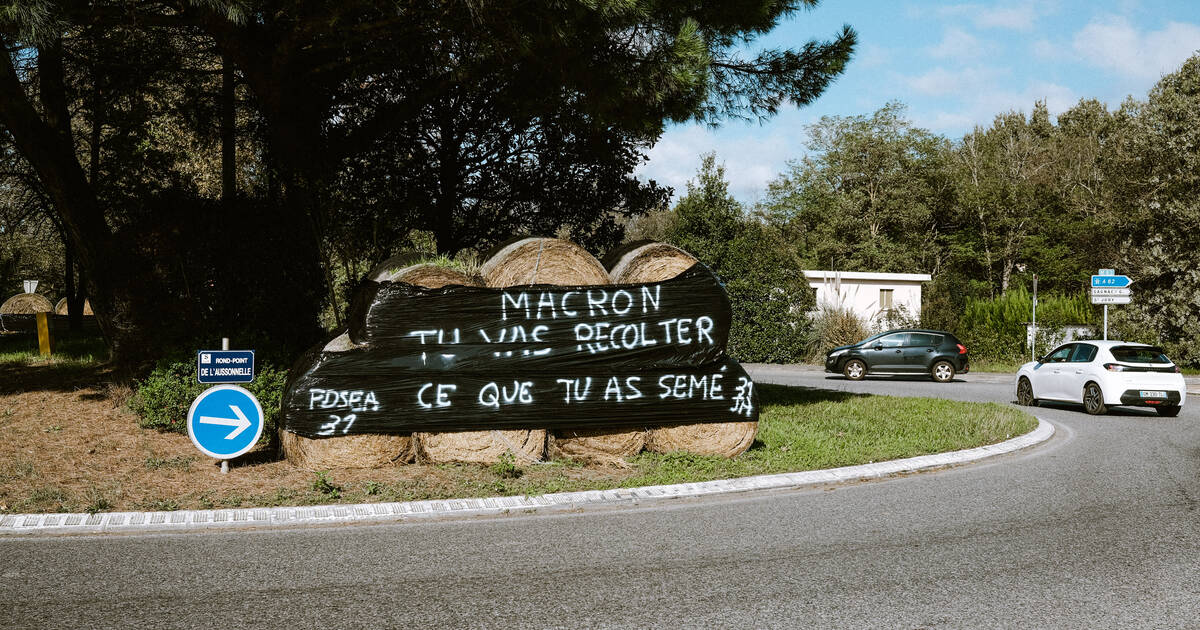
<point x="83" y="349"/>
<point x="997" y="365"/>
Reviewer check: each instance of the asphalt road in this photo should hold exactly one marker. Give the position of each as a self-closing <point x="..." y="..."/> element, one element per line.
<point x="1097" y="528"/>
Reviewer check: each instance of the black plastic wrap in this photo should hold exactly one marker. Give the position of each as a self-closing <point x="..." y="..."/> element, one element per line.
<point x="681" y="321"/>
<point x="341" y="403"/>
<point x="470" y="358"/>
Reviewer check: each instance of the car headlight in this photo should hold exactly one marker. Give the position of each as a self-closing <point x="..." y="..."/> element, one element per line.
<point x="837" y="353"/>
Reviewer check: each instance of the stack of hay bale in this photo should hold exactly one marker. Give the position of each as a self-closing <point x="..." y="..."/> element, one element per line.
<point x="18" y="311"/>
<point x="529" y="261"/>
<point x="62" y="308"/>
<point x="26" y="304"/>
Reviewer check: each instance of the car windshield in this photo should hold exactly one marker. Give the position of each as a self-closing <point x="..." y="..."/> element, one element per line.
<point x="1139" y="354"/>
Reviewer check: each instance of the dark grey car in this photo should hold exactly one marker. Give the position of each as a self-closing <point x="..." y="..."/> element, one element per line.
<point x="903" y="351"/>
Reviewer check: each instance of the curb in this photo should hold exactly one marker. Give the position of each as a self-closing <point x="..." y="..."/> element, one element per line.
<point x="192" y="520"/>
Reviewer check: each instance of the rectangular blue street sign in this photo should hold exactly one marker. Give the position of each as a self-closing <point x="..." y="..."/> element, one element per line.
<point x="1107" y="272"/>
<point x="225" y="366"/>
<point x="1111" y="281"/>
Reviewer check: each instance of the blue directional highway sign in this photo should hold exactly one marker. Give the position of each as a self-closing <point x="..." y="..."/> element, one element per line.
<point x="225" y="421"/>
<point x="225" y="366"/>
<point x="1111" y="281"/>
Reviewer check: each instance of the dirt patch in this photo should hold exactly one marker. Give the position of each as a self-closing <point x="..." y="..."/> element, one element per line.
<point x="68" y="444"/>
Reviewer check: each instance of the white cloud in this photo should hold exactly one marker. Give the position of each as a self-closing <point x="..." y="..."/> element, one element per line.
<point x="1115" y="45"/>
<point x="871" y="56"/>
<point x="1044" y="49"/>
<point x="752" y="157"/>
<point x="976" y="98"/>
<point x="957" y="44"/>
<point x="1019" y="17"/>
<point x="942" y="82"/>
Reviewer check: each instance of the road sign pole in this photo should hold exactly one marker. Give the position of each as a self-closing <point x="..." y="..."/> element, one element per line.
<point x="1033" y="341"/>
<point x="1106" y="322"/>
<point x="225" y="462"/>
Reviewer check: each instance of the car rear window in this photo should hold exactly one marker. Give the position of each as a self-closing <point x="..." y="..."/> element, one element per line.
<point x="1139" y="354"/>
<point x="1083" y="353"/>
<point x="924" y="339"/>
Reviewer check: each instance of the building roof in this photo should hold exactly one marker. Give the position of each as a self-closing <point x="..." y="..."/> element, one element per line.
<point x="866" y="275"/>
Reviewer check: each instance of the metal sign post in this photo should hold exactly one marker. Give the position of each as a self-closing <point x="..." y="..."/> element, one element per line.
<point x="225" y="366"/>
<point x="1033" y="341"/>
<point x="1110" y="288"/>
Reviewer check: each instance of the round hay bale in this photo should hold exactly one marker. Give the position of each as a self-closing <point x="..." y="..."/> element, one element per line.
<point x="348" y="451"/>
<point x="542" y="261"/>
<point x="26" y="304"/>
<point x="427" y="275"/>
<point x="654" y="262"/>
<point x="480" y="447"/>
<point x="650" y="262"/>
<point x="727" y="439"/>
<point x="601" y="445"/>
<point x="558" y="262"/>
<point x="62" y="307"/>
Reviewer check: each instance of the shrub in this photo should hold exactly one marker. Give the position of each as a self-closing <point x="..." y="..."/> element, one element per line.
<point x="834" y="326"/>
<point x="995" y="328"/>
<point x="163" y="398"/>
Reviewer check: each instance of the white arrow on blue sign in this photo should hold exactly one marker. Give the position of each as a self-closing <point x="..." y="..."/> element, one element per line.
<point x="225" y="421"/>
<point x="1111" y="281"/>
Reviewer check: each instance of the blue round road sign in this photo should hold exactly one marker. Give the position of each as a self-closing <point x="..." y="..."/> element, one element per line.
<point x="225" y="421"/>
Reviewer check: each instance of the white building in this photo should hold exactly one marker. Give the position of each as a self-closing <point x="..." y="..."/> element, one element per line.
<point x="869" y="295"/>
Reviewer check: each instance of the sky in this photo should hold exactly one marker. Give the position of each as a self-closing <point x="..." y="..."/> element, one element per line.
<point x="955" y="65"/>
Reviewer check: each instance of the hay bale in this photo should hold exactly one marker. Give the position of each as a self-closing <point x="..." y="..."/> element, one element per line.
<point x="62" y="308"/>
<point x="649" y="262"/>
<point x="727" y="439"/>
<point x="480" y="447"/>
<point x="412" y="269"/>
<point x="558" y="262"/>
<point x="26" y="304"/>
<point x="348" y="451"/>
<point x="655" y="262"/>
<point x="369" y="450"/>
<point x="542" y="261"/>
<point x="600" y="445"/>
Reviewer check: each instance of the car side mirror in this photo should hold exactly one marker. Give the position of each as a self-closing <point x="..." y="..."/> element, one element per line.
<point x="878" y="346"/>
<point x="1041" y="359"/>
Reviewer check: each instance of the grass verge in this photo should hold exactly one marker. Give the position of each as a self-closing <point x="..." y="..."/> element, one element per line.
<point x="74" y="447"/>
<point x="22" y="348"/>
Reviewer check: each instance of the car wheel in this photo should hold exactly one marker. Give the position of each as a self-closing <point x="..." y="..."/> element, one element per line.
<point x="942" y="372"/>
<point x="1093" y="399"/>
<point x="855" y="370"/>
<point x="1169" y="411"/>
<point x="1025" y="393"/>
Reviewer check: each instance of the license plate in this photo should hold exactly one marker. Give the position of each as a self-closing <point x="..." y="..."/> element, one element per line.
<point x="1152" y="394"/>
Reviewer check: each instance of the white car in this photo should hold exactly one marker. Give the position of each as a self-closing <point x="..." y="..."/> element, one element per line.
<point x="1102" y="374"/>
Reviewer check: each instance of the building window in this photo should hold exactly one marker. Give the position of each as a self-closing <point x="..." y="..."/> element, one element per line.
<point x="885" y="299"/>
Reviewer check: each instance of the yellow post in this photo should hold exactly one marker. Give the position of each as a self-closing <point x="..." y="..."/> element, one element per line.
<point x="44" y="342"/>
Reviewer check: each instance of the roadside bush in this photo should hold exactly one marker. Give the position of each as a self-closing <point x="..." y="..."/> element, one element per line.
<point x="834" y="326"/>
<point x="163" y="398"/>
<point x="995" y="329"/>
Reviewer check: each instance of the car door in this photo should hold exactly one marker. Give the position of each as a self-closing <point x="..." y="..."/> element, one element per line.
<point x="918" y="354"/>
<point x="1079" y="369"/>
<point x="1050" y="381"/>
<point x="886" y="354"/>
